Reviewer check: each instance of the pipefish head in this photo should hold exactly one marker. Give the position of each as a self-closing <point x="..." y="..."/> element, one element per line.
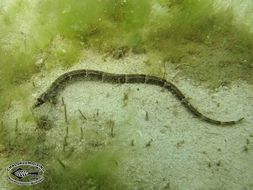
<point x="38" y="103"/>
<point x="40" y="100"/>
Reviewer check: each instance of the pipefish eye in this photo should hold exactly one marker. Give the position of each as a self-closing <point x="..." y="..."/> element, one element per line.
<point x="39" y="102"/>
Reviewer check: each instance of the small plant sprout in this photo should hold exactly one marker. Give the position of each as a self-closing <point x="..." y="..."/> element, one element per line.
<point x="180" y="143"/>
<point x="95" y="116"/>
<point x="246" y="148"/>
<point x="146" y="116"/>
<point x="65" y="111"/>
<point x="62" y="101"/>
<point x="132" y="142"/>
<point x="70" y="152"/>
<point x="61" y="163"/>
<point x="218" y="163"/>
<point x="111" y="125"/>
<point x="81" y="135"/>
<point x="65" y="142"/>
<point x="84" y="118"/>
<point x="125" y="99"/>
<point x="16" y="127"/>
<point x="149" y="143"/>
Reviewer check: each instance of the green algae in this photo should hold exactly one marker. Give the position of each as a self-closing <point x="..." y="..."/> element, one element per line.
<point x="167" y="31"/>
<point x="87" y="169"/>
<point x="92" y="173"/>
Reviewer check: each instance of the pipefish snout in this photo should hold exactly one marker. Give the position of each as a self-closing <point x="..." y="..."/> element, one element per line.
<point x="93" y="75"/>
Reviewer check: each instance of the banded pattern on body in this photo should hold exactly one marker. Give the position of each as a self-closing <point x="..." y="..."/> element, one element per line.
<point x="92" y="75"/>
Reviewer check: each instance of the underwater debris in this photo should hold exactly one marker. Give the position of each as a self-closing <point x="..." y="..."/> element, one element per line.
<point x="120" y="52"/>
<point x="43" y="122"/>
<point x="96" y="143"/>
<point x="180" y="143"/>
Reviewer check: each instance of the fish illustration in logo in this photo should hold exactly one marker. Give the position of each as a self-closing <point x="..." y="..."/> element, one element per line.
<point x="25" y="173"/>
<point x="20" y="173"/>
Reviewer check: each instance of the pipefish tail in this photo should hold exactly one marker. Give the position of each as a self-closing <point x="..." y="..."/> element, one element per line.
<point x="92" y="75"/>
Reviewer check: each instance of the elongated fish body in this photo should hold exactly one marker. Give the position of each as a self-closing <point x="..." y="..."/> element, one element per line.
<point x="92" y="75"/>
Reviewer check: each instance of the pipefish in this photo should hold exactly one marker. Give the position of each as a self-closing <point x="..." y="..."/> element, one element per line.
<point x="92" y="75"/>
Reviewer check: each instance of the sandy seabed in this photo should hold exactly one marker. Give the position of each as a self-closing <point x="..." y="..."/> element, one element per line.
<point x="163" y="145"/>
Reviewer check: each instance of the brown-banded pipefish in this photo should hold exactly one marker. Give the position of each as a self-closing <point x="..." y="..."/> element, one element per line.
<point x="92" y="75"/>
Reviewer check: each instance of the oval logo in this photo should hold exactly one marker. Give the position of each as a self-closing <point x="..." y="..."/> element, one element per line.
<point x="25" y="173"/>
